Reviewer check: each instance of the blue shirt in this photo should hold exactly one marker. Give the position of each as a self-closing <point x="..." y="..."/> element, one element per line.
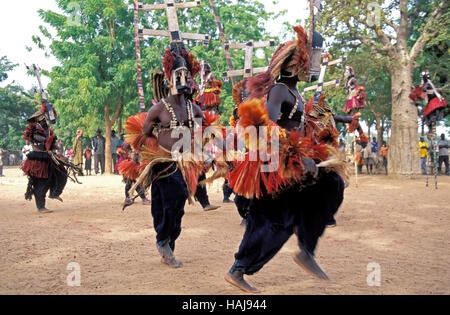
<point x="375" y="145"/>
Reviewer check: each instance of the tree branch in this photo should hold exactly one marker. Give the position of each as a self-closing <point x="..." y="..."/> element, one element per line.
<point x="442" y="89"/>
<point x="429" y="31"/>
<point x="414" y="16"/>
<point x="117" y="112"/>
<point x="388" y="46"/>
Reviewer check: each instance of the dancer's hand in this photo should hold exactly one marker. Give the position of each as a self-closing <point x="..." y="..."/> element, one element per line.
<point x="310" y="167"/>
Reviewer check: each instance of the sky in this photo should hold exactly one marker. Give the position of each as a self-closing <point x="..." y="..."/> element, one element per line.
<point x="16" y="34"/>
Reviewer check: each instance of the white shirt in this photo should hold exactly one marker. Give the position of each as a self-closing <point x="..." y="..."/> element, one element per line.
<point x="25" y="150"/>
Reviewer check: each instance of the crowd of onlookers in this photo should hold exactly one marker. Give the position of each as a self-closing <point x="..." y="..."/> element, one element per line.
<point x="442" y="158"/>
<point x="92" y="156"/>
<point x="373" y="157"/>
<point x="369" y="154"/>
<point x="88" y="157"/>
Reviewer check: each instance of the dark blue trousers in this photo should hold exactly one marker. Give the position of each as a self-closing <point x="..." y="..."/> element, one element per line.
<point x="227" y="191"/>
<point x="271" y="221"/>
<point x="243" y="206"/>
<point x="55" y="183"/>
<point x="169" y="195"/>
<point x="201" y="195"/>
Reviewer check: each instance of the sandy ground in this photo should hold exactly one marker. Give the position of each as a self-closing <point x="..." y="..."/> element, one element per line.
<point x="400" y="225"/>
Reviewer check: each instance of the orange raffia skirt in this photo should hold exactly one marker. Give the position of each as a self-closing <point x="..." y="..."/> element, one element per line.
<point x="249" y="178"/>
<point x="151" y="153"/>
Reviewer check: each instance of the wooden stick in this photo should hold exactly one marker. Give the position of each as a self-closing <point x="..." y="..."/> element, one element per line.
<point x="176" y="5"/>
<point x="140" y="84"/>
<point x="224" y="40"/>
<point x="172" y="19"/>
<point x="356" y="162"/>
<point x="249" y="47"/>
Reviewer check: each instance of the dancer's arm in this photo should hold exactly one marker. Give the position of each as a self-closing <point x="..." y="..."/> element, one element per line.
<point x="152" y="119"/>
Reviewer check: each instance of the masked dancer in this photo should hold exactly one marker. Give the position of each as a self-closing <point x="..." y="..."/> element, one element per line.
<point x="297" y="197"/>
<point x="153" y="135"/>
<point x="45" y="168"/>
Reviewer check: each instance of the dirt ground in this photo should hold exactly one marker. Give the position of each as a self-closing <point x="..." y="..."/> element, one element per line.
<point x="401" y="225"/>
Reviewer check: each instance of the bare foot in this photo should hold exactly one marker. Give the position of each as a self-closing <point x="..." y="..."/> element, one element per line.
<point x="172" y="262"/>
<point x="308" y="263"/>
<point x="237" y="279"/>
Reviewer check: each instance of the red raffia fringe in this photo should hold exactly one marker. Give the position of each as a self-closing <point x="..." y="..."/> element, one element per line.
<point x="135" y="136"/>
<point x="129" y="170"/>
<point x="247" y="178"/>
<point x="35" y="168"/>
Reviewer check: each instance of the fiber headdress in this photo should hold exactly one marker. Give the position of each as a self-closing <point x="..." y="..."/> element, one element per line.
<point x="170" y="58"/>
<point x="175" y="57"/>
<point x="291" y="57"/>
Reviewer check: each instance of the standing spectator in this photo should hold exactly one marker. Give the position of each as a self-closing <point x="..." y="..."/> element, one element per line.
<point x="98" y="146"/>
<point x="358" y="153"/>
<point x="374" y="145"/>
<point x="342" y="146"/>
<point x="60" y="147"/>
<point x="423" y="150"/>
<point x="1" y="162"/>
<point x="121" y="140"/>
<point x="369" y="157"/>
<point x="88" y="160"/>
<point x="443" y="155"/>
<point x="27" y="148"/>
<point x="384" y="150"/>
<point x="78" y="152"/>
<point x="69" y="155"/>
<point x="12" y="159"/>
<point x="114" y="146"/>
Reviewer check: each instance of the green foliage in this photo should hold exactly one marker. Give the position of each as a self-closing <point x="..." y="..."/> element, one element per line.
<point x="5" y="66"/>
<point x="15" y="107"/>
<point x="98" y="61"/>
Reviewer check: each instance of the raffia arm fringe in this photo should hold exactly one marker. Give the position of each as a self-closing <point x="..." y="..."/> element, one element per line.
<point x="156" y="158"/>
<point x="191" y="194"/>
<point x="146" y="172"/>
<point x="222" y="173"/>
<point x="337" y="163"/>
<point x="71" y="168"/>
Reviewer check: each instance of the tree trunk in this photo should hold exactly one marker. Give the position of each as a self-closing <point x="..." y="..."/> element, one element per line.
<point x="119" y="125"/>
<point x="403" y="149"/>
<point x="108" y="156"/>
<point x="380" y="132"/>
<point x="108" y="124"/>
